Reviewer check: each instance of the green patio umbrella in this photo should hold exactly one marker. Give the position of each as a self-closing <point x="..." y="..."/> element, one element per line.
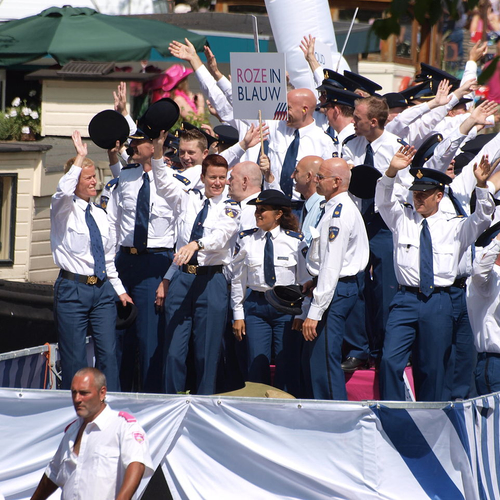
<point x="82" y="34"/>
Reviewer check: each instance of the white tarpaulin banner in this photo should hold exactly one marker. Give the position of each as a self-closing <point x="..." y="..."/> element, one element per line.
<point x="246" y="448"/>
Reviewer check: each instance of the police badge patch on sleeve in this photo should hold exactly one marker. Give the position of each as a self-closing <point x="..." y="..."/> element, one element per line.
<point x="231" y="212"/>
<point x="333" y="231"/>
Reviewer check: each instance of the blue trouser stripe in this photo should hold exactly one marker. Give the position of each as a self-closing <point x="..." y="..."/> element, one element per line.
<point x="457" y="417"/>
<point x="417" y="454"/>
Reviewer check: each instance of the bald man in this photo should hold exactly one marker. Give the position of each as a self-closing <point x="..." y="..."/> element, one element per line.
<point x="245" y="181"/>
<point x="295" y="139"/>
<point x="304" y="177"/>
<point x="336" y="256"/>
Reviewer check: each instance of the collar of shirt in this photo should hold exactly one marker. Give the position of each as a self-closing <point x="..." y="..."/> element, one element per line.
<point x="274" y="232"/>
<point x="378" y="142"/>
<point x="335" y="200"/>
<point x="103" y="419"/>
<point x="312" y="200"/>
<point x="244" y="202"/>
<point x="304" y="130"/>
<point x="81" y="203"/>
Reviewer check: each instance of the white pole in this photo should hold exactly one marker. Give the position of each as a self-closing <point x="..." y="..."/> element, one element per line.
<point x="347" y="38"/>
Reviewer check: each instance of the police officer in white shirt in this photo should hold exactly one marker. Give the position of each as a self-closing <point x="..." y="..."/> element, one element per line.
<point x="143" y="227"/>
<point x="427" y="248"/>
<point x="483" y="298"/>
<point x="85" y="291"/>
<point x="197" y="298"/>
<point x="337" y="256"/>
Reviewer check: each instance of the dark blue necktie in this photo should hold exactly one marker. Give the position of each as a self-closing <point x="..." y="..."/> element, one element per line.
<point x="197" y="231"/>
<point x="303" y="214"/>
<point x="96" y="245"/>
<point x="369" y="156"/>
<point x="269" y="274"/>
<point x="289" y="163"/>
<point x="332" y="134"/>
<point x="321" y="212"/>
<point x="368" y="206"/>
<point x="426" y="263"/>
<point x="459" y="209"/>
<point x="142" y="215"/>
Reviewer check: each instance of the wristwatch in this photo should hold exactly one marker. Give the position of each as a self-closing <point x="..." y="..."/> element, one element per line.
<point x="201" y="246"/>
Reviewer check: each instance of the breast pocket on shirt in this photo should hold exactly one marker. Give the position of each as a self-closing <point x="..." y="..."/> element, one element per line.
<point x="106" y="461"/>
<point x="444" y="259"/>
<point x="161" y="220"/>
<point x="407" y="253"/>
<point x="76" y="240"/>
<point x="255" y="266"/>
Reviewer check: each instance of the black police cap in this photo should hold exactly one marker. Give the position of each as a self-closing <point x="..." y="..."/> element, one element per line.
<point x="426" y="150"/>
<point x="427" y="179"/>
<point x="339" y="96"/>
<point x="422" y="91"/>
<point x="286" y="299"/>
<point x="396" y="100"/>
<point x="272" y="197"/>
<point x="161" y="115"/>
<point x="227" y="134"/>
<point x="364" y="181"/>
<point x="125" y="315"/>
<point x="334" y="79"/>
<point x="363" y="83"/>
<point x="437" y="75"/>
<point x="107" y="127"/>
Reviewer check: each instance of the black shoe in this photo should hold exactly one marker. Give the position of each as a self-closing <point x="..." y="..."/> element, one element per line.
<point x="352" y="364"/>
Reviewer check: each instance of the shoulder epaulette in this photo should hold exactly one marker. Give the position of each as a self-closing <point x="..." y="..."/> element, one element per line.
<point x="112" y="183"/>
<point x="335" y="155"/>
<point x="294" y="234"/>
<point x="408" y="205"/>
<point x="232" y="202"/>
<point x="304" y="252"/>
<point x="460" y="216"/>
<point x="347" y="139"/>
<point x="131" y="165"/>
<point x="402" y="142"/>
<point x="182" y="179"/>
<point x="69" y="425"/>
<point x="337" y="211"/>
<point x="129" y="418"/>
<point x="196" y="191"/>
<point x="247" y="232"/>
<point x="99" y="206"/>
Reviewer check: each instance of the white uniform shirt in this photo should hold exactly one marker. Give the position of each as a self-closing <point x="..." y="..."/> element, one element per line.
<point x="221" y="224"/>
<point x="347" y="131"/>
<point x="69" y="233"/>
<point x="341" y="250"/>
<point x="313" y="141"/>
<point x="248" y="264"/>
<point x="109" y="444"/>
<point x="450" y="237"/>
<point x="122" y="210"/>
<point x="193" y="175"/>
<point x="247" y="218"/>
<point x="483" y="299"/>
<point x="312" y="205"/>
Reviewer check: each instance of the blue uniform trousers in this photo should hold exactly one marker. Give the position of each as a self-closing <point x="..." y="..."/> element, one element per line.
<point x="463" y="353"/>
<point x="141" y="275"/>
<point x="76" y="307"/>
<point x="323" y="376"/>
<point x="423" y="326"/>
<point x="380" y="284"/>
<point x="269" y="336"/>
<point x="356" y="327"/>
<point x="196" y="307"/>
<point x="487" y="373"/>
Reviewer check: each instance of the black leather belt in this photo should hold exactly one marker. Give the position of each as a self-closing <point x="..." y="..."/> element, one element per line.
<point x="201" y="270"/>
<point x="416" y="289"/>
<point x="134" y="251"/>
<point x="460" y="283"/>
<point x="258" y="293"/>
<point x="80" y="278"/>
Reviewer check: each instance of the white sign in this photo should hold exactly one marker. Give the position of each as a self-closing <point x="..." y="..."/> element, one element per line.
<point x="323" y="53"/>
<point x="259" y="83"/>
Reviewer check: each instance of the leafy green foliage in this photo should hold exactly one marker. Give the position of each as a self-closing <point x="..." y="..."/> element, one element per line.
<point x="487" y="73"/>
<point x="424" y="11"/>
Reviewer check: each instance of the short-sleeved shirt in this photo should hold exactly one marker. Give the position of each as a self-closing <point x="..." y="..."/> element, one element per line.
<point x="109" y="444"/>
